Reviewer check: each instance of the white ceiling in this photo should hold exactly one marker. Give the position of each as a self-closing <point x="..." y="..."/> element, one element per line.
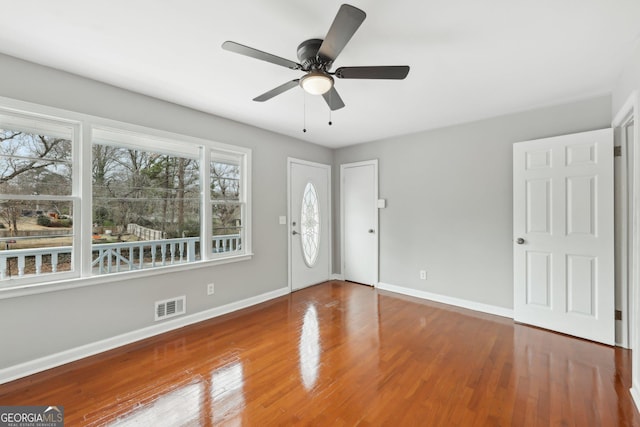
<point x="469" y="59"/>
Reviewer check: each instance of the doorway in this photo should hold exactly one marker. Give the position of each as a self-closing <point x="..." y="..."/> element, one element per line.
<point x="359" y="224"/>
<point x="309" y="195"/>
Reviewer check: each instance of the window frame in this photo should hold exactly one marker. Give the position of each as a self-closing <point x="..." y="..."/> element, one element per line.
<point x="244" y="160"/>
<point x="84" y="128"/>
<point x="48" y="124"/>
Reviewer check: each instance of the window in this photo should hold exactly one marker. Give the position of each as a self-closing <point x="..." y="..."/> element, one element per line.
<point x="37" y="203"/>
<point x="121" y="201"/>
<point x="310" y="225"/>
<point x="145" y="203"/>
<point x="227" y="203"/>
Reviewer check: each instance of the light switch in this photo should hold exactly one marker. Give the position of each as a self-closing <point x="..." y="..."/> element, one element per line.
<point x="382" y="203"/>
<point x="283" y="220"/>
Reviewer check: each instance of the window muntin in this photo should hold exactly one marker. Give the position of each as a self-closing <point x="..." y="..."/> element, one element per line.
<point x="36" y="202"/>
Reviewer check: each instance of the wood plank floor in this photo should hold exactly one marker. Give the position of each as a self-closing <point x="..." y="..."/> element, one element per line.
<point x="341" y="354"/>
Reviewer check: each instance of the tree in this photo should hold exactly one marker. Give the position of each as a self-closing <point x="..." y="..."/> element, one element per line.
<point x="28" y="153"/>
<point x="225" y="195"/>
<point x="31" y="164"/>
<point x="150" y="189"/>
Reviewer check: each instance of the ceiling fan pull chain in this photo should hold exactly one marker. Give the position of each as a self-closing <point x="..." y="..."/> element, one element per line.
<point x="304" y="111"/>
<point x="330" y="103"/>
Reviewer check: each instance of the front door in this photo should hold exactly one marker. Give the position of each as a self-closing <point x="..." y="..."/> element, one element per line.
<point x="563" y="234"/>
<point x="309" y="223"/>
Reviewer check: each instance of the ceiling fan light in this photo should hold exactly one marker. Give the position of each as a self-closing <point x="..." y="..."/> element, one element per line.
<point x="316" y="83"/>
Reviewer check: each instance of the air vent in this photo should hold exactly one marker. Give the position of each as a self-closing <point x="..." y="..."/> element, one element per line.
<point x="170" y="307"/>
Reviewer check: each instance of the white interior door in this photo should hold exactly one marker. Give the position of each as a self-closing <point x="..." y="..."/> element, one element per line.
<point x="563" y="234"/>
<point x="309" y="223"/>
<point x="359" y="213"/>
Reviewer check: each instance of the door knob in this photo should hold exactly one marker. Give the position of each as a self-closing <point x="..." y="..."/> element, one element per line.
<point x="294" y="232"/>
<point x="520" y="241"/>
<point x="371" y="231"/>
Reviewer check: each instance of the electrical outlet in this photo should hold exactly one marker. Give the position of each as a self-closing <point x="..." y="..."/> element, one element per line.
<point x="210" y="289"/>
<point x="423" y="275"/>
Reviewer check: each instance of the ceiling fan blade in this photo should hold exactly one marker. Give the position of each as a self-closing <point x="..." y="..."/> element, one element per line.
<point x="344" y="26"/>
<point x="277" y="91"/>
<point x="258" y="54"/>
<point x="395" y="72"/>
<point x="333" y="99"/>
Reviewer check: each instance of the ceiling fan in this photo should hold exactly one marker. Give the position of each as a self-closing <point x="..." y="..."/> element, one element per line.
<point x="316" y="57"/>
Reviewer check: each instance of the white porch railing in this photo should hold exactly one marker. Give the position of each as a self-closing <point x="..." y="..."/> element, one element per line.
<point x="113" y="257"/>
<point x="22" y="255"/>
<point x="116" y="257"/>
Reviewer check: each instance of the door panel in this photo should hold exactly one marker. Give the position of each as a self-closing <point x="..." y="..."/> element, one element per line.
<point x="563" y="234"/>
<point x="539" y="279"/>
<point x="309" y="223"/>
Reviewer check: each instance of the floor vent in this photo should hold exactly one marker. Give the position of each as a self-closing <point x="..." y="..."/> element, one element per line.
<point x="171" y="307"/>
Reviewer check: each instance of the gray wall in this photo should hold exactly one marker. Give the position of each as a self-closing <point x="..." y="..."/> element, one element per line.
<point x="628" y="81"/>
<point x="47" y="323"/>
<point x="449" y="199"/>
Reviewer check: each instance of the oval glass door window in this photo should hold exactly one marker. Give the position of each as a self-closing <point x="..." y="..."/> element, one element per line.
<point x="310" y="225"/>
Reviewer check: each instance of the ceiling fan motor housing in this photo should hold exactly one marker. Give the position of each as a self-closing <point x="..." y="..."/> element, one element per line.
<point x="308" y="55"/>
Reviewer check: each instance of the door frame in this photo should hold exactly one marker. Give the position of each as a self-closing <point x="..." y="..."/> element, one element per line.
<point x="632" y="107"/>
<point x="290" y="161"/>
<point x="374" y="163"/>
<point x="630" y="285"/>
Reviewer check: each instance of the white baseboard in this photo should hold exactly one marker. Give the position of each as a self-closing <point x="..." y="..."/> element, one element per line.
<point x="635" y="393"/>
<point x="471" y="305"/>
<point x="37" y="365"/>
<point x="337" y="277"/>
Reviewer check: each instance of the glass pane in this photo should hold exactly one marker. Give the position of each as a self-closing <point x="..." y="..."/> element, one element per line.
<point x="225" y="180"/>
<point x="226" y="221"/>
<point x="141" y="197"/>
<point x="310" y="225"/>
<point x="36" y="237"/>
<point x="34" y="164"/>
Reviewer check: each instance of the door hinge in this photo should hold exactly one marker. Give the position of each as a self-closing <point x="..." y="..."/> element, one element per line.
<point x="618" y="314"/>
<point x="617" y="151"/>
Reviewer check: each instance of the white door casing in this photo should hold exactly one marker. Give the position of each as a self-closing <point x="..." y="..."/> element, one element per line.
<point x="630" y="113"/>
<point x="563" y="234"/>
<point x="309" y="225"/>
<point x="359" y="221"/>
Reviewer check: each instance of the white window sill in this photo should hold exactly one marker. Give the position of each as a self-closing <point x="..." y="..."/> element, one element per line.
<point x="20" y="290"/>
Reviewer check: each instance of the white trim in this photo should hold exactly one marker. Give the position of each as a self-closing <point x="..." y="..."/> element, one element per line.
<point x="337" y="277"/>
<point x="632" y="106"/>
<point x="376" y="261"/>
<point x="289" y="228"/>
<point x="471" y="305"/>
<point x="630" y="282"/>
<point x="33" y="366"/>
<point x="635" y="394"/>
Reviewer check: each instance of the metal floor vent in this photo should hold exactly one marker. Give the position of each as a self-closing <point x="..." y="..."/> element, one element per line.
<point x="171" y="307"/>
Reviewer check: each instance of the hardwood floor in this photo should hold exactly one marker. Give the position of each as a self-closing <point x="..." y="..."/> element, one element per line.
<point x="341" y="354"/>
